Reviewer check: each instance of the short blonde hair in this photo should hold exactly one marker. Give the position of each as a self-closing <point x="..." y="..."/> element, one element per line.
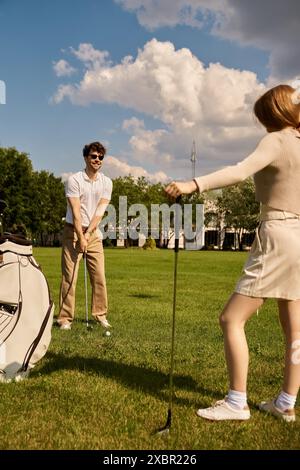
<point x="275" y="109"/>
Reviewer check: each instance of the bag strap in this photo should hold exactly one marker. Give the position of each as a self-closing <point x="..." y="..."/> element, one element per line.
<point x="36" y="341"/>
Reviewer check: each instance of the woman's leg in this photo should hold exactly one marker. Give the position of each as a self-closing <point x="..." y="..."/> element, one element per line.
<point x="283" y="406"/>
<point x="289" y="314"/>
<point x="237" y="311"/>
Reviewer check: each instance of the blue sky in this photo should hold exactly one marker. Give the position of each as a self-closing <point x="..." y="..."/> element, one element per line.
<point x="194" y="72"/>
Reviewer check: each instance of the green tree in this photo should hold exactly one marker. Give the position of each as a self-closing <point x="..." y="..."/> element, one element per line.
<point x="141" y="191"/>
<point x="238" y="205"/>
<point x="48" y="207"/>
<point x="15" y="186"/>
<point x="138" y="191"/>
<point x="35" y="200"/>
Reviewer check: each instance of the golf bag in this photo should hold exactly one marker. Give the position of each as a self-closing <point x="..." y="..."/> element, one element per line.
<point x="26" y="310"/>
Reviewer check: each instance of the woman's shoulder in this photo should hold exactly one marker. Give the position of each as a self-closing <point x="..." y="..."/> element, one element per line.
<point x="278" y="141"/>
<point x="290" y="131"/>
<point x="271" y="139"/>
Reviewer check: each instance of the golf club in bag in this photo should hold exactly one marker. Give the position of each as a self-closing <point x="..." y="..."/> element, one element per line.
<point x="165" y="429"/>
<point x="88" y="326"/>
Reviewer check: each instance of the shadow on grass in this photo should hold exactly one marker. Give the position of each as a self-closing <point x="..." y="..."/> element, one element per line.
<point x="143" y="296"/>
<point x="151" y="381"/>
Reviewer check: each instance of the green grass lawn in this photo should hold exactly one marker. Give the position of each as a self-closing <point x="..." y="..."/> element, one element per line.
<point x="94" y="392"/>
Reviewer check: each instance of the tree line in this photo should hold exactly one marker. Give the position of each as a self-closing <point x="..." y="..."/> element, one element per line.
<point x="33" y="202"/>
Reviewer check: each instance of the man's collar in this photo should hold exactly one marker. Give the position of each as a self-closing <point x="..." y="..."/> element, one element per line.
<point x="86" y="177"/>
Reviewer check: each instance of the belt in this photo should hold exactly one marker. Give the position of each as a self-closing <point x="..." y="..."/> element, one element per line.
<point x="268" y="213"/>
<point x="84" y="229"/>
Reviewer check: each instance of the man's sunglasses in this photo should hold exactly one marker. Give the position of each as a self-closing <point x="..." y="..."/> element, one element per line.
<point x="95" y="155"/>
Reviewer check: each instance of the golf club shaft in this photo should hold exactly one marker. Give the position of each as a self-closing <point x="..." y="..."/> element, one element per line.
<point x="173" y="323"/>
<point x="176" y="249"/>
<point x="86" y="290"/>
<point x="177" y="224"/>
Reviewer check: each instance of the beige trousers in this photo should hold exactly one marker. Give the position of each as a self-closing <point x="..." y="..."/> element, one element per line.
<point x="70" y="259"/>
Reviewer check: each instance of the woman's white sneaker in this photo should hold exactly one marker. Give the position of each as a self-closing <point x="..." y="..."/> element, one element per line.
<point x="271" y="408"/>
<point x="221" y="410"/>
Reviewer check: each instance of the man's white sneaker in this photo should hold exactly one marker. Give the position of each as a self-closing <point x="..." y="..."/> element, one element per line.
<point x="103" y="321"/>
<point x="271" y="408"/>
<point x="221" y="410"/>
<point x="65" y="326"/>
<point x="105" y="324"/>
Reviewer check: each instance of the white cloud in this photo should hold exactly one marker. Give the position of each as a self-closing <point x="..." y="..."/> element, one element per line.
<point x="62" y="68"/>
<point x="172" y="85"/>
<point x="133" y="123"/>
<point x="160" y="82"/>
<point x="115" y="167"/>
<point x="65" y="176"/>
<point x="91" y="57"/>
<point x="212" y="105"/>
<point x="146" y="144"/>
<point x="153" y="14"/>
<point x="271" y="25"/>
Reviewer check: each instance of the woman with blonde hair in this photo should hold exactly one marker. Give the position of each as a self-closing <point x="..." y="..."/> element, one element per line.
<point x="273" y="267"/>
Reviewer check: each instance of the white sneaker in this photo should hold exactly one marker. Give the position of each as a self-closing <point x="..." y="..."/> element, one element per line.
<point x="65" y="326"/>
<point x="103" y="321"/>
<point x="221" y="410"/>
<point x="271" y="408"/>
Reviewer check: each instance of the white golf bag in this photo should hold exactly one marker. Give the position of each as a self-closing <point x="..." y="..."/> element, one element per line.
<point x="26" y="310"/>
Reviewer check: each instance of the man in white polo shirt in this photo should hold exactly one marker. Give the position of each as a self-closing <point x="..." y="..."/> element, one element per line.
<point x="88" y="193"/>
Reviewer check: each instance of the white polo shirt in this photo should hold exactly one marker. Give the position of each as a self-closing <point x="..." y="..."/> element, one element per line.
<point x="89" y="192"/>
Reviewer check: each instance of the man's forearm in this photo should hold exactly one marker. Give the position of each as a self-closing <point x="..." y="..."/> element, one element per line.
<point x="98" y="215"/>
<point x="77" y="225"/>
<point x="94" y="223"/>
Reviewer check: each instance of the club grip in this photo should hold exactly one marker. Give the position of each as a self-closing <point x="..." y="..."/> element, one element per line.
<point x="176" y="244"/>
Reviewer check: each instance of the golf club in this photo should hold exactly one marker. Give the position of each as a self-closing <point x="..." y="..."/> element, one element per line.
<point x="88" y="326"/>
<point x="166" y="428"/>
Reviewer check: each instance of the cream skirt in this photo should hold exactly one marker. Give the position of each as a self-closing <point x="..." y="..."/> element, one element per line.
<point x="273" y="267"/>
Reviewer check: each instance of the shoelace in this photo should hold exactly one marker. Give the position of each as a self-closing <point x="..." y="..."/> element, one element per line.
<point x="217" y="404"/>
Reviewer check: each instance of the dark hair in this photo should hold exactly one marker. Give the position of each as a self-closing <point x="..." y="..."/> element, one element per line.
<point x="276" y="110"/>
<point x="93" y="146"/>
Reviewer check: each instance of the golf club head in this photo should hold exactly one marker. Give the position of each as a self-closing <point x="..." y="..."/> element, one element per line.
<point x="89" y="327"/>
<point x="165" y="430"/>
